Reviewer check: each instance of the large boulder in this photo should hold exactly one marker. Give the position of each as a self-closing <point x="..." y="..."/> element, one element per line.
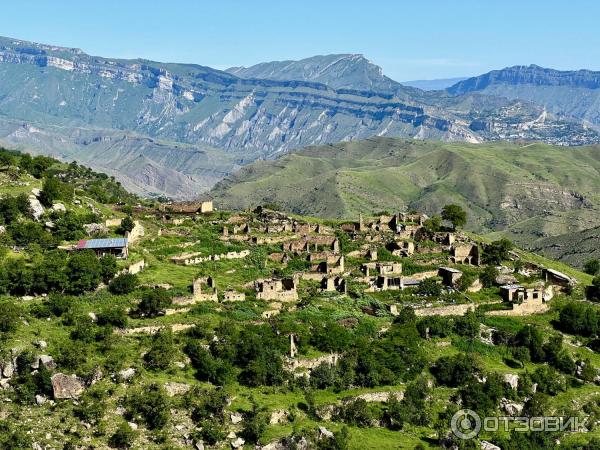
<point x="44" y="360"/>
<point x="37" y="210"/>
<point x="67" y="386"/>
<point x="59" y="207"/>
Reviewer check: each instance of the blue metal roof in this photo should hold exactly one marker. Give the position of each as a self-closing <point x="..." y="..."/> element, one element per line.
<point x="104" y="243"/>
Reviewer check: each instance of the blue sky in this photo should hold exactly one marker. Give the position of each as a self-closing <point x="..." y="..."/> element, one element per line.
<point x="411" y="40"/>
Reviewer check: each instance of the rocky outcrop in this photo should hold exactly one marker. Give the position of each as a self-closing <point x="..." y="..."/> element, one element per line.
<point x="67" y="386"/>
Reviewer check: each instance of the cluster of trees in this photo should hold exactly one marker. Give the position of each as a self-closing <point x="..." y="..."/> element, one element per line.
<point x="56" y="271"/>
<point x="579" y="318"/>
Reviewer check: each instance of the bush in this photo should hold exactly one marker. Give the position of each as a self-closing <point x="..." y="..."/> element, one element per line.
<point x="154" y="302"/>
<point x="592" y="267"/>
<point x="211" y="431"/>
<point x="255" y="423"/>
<point x="429" y="288"/>
<point x="161" y="353"/>
<point x="127" y="225"/>
<point x="114" y="316"/>
<point x="123" y="437"/>
<point x="454" y="371"/>
<point x="123" y="284"/>
<point x="9" y="319"/>
<point x="488" y="276"/>
<point x="151" y="403"/>
<point x="357" y="413"/>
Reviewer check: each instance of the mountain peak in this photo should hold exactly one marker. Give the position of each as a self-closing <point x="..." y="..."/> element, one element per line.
<point x="339" y="71"/>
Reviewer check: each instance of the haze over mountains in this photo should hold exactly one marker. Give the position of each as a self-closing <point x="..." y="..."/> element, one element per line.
<point x="176" y="129"/>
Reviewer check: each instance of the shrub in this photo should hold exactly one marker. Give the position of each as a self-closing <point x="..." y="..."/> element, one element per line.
<point x="123" y="284"/>
<point x="9" y="319"/>
<point x="151" y="403"/>
<point x="114" y="316"/>
<point x="454" y="371"/>
<point x="123" y="437"/>
<point x="154" y="302"/>
<point x="160" y="355"/>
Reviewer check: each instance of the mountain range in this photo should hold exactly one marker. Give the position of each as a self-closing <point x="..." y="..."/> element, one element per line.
<point x="176" y="129"/>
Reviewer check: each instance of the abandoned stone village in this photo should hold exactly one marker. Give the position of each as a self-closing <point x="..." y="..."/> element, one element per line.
<point x="387" y="257"/>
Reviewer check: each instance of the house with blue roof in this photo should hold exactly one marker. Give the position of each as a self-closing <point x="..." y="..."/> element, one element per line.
<point x="111" y="246"/>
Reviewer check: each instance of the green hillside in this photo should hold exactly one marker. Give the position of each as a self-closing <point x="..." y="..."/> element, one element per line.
<point x="192" y="339"/>
<point x="526" y="191"/>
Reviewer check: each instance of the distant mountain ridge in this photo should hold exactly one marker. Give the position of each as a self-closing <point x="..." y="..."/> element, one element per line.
<point x="433" y="85"/>
<point x="575" y="92"/>
<point x="176" y="129"/>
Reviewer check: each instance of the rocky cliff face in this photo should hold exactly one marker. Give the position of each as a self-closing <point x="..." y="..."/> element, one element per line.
<point x="532" y="74"/>
<point x="571" y="93"/>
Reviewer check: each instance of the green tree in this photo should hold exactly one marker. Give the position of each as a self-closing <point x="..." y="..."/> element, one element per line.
<point x="108" y="268"/>
<point x="123" y="284"/>
<point x="497" y="251"/>
<point x="592" y="267"/>
<point x="488" y="276"/>
<point x="592" y="292"/>
<point x="127" y="225"/>
<point x="160" y="356"/>
<point x="154" y="302"/>
<point x="9" y="319"/>
<point x="54" y="189"/>
<point x="84" y="272"/>
<point x="455" y="215"/>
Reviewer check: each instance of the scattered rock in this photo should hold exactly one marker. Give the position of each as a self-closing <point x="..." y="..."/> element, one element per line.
<point x="40" y="399"/>
<point x="485" y="445"/>
<point x="199" y="445"/>
<point x="325" y="433"/>
<point x="512" y="379"/>
<point x="37" y="210"/>
<point x="43" y="360"/>
<point x="93" y="316"/>
<point x="133" y="425"/>
<point x="279" y="416"/>
<point x="127" y="374"/>
<point x="511" y="408"/>
<point x="66" y="386"/>
<point x="59" y="207"/>
<point x="238" y="443"/>
<point x="42" y="345"/>
<point x="236" y="418"/>
<point x="173" y="388"/>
